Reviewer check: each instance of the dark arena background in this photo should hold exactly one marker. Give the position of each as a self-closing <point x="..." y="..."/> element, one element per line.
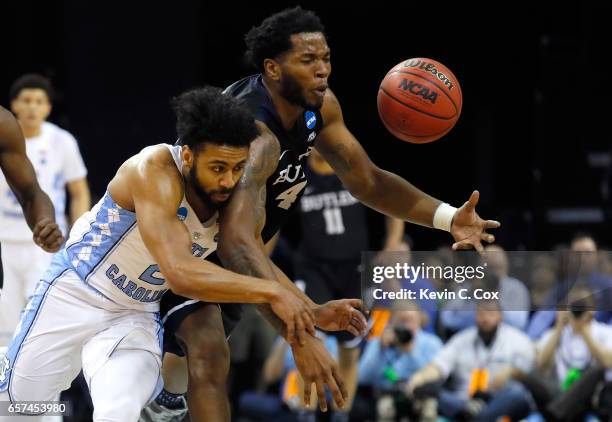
<point x="533" y="136"/>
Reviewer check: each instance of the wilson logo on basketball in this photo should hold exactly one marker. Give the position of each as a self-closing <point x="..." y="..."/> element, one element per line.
<point x="430" y="67"/>
<point x="418" y="89"/>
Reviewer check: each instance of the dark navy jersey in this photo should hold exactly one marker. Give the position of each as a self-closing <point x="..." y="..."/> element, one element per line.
<point x="333" y="221"/>
<point x="287" y="183"/>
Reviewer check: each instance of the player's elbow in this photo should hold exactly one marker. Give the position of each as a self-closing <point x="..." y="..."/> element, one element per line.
<point x="363" y="187"/>
<point x="176" y="278"/>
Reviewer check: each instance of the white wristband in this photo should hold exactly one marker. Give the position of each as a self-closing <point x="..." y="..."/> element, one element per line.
<point x="443" y="217"/>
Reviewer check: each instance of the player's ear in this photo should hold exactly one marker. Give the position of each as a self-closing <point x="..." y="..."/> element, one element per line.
<point x="187" y="156"/>
<point x="272" y="69"/>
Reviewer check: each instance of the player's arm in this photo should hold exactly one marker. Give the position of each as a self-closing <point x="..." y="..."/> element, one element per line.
<point x="240" y="246"/>
<point x="156" y="190"/>
<point x="390" y="194"/>
<point x="20" y="176"/>
<point x="240" y="249"/>
<point x="80" y="198"/>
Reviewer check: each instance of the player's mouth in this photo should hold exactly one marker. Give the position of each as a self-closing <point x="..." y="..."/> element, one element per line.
<point x="221" y="197"/>
<point x="320" y="90"/>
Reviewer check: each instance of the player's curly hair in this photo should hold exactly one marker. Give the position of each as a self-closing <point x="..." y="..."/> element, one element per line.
<point x="273" y="36"/>
<point x="207" y="115"/>
<point x="31" y="81"/>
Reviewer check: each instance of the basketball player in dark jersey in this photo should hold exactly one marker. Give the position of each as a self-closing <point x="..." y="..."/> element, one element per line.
<point x="20" y="175"/>
<point x="293" y="106"/>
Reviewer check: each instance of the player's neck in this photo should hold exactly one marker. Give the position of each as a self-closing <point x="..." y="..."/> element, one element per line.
<point x="202" y="210"/>
<point x="31" y="131"/>
<point x="287" y="111"/>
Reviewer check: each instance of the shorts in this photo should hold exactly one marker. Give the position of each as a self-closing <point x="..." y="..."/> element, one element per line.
<point x="67" y="326"/>
<point x="323" y="281"/>
<point x="174" y="309"/>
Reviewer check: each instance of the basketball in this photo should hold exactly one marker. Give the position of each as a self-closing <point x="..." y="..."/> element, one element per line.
<point x="419" y="100"/>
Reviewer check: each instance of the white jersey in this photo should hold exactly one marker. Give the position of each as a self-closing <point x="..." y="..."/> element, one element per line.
<point x="57" y="161"/>
<point x="106" y="250"/>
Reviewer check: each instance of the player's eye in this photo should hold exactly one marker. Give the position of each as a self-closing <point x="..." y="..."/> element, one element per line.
<point x="217" y="169"/>
<point x="239" y="167"/>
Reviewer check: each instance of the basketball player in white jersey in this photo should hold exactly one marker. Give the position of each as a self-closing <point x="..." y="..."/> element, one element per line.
<point x="37" y="208"/>
<point x="55" y="155"/>
<point x="96" y="308"/>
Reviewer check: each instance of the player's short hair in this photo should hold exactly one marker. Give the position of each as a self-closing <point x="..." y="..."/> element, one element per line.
<point x="31" y="81"/>
<point x="273" y="36"/>
<point x="206" y="115"/>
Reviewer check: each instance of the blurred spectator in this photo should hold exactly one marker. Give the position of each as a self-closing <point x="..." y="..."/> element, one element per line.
<point x="402" y="254"/>
<point x="542" y="282"/>
<point x="514" y="299"/>
<point x="483" y="362"/>
<point x="55" y="155"/>
<point x="389" y="361"/>
<point x="578" y="269"/>
<point x="571" y="361"/>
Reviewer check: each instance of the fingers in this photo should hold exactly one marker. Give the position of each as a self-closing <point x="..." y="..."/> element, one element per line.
<point x="336" y="387"/>
<point x="359" y="321"/>
<point x="290" y="330"/>
<point x="492" y="224"/>
<point x="321" y="394"/>
<point x="355" y="303"/>
<point x="340" y="383"/>
<point x="470" y="205"/>
<point x="353" y="330"/>
<point x="310" y="322"/>
<point x="52" y="242"/>
<point x="53" y="246"/>
<point x="44" y="230"/>
<point x="307" y="392"/>
<point x="300" y="332"/>
<point x="489" y="238"/>
<point x="467" y="244"/>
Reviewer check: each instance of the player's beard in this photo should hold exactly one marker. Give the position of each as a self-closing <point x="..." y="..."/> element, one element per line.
<point x="203" y="194"/>
<point x="292" y="91"/>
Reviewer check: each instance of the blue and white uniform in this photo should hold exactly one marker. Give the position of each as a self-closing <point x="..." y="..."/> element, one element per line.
<point x="97" y="308"/>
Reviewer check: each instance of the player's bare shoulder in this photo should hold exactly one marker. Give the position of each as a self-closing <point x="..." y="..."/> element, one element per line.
<point x="263" y="158"/>
<point x="331" y="110"/>
<point x="152" y="172"/>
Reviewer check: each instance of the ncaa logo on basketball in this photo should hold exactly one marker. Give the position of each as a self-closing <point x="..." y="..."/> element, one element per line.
<point x="418" y="89"/>
<point x="182" y="213"/>
<point x="311" y="119"/>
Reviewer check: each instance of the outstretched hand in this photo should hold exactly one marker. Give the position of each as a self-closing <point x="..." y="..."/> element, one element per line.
<point x="468" y="229"/>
